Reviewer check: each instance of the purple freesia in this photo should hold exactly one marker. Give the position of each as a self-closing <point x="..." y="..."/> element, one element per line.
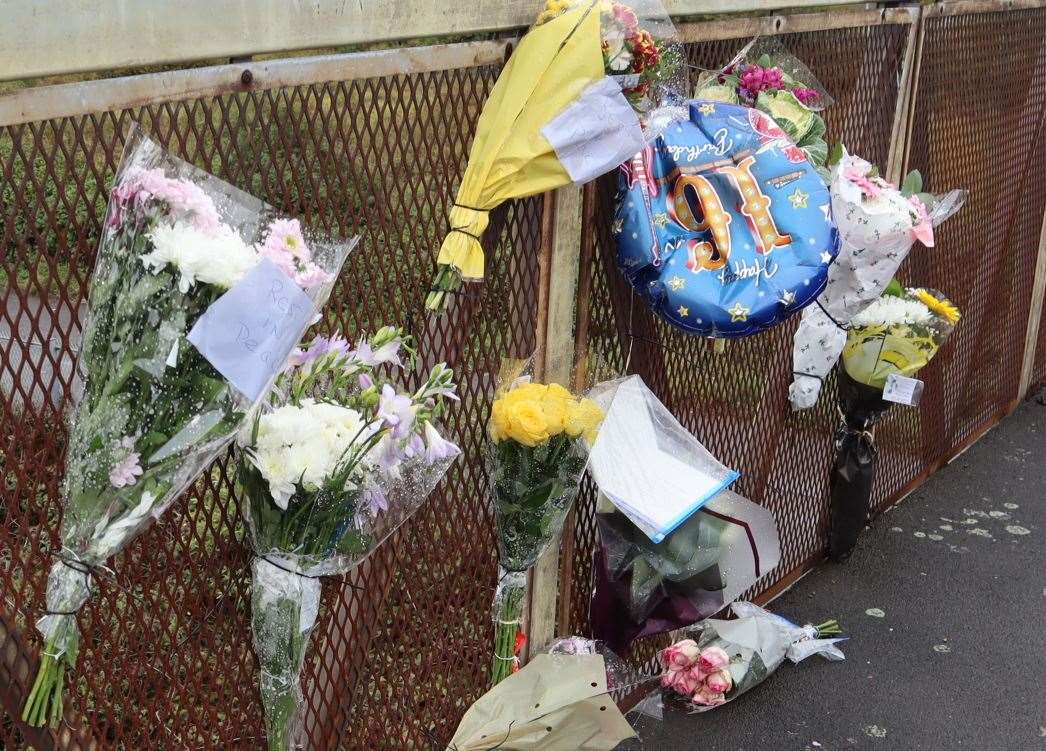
<point x="414" y="447"/>
<point x="366" y="381"/>
<point x="437" y="447"/>
<point x="386" y="353"/>
<point x="319" y="347"/>
<point x="374" y="500"/>
<point x="396" y="411"/>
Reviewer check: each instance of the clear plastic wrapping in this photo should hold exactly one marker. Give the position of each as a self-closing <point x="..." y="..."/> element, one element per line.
<point x="199" y="293"/>
<point x="723" y="659"/>
<point x="645" y="588"/>
<point x="540" y="435"/>
<point x="877" y="226"/>
<point x="647" y="464"/>
<point x="764" y="75"/>
<point x="336" y="462"/>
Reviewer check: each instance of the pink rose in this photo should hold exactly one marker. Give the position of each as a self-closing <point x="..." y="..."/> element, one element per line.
<point x="713" y="659"/>
<point x="680" y="655"/>
<point x="719" y="683"/>
<point x="923" y="229"/>
<point x="698" y="673"/>
<point x="684" y="683"/>
<point x="705" y="697"/>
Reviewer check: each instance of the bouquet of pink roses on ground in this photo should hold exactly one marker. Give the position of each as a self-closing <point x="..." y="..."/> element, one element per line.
<point x="726" y="658"/>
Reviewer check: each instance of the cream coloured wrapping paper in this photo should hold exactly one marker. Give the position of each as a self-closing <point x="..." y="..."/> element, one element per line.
<point x="876" y="236"/>
<point x="556" y="703"/>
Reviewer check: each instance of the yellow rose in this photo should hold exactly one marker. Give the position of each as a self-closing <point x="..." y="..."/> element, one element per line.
<point x="584" y="417"/>
<point x="555" y="391"/>
<point x="499" y="423"/>
<point x="555" y="415"/>
<point x="526" y="392"/>
<point x="526" y="423"/>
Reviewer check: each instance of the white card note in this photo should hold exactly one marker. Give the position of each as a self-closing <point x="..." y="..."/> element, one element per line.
<point x="596" y="133"/>
<point x="647" y="464"/>
<point x="249" y="331"/>
<point x="902" y="390"/>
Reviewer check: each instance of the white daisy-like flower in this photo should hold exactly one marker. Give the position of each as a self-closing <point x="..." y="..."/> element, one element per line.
<point x="220" y="258"/>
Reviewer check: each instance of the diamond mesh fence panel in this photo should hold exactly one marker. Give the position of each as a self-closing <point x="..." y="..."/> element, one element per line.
<point x="985" y="258"/>
<point x="736" y="402"/>
<point x="166" y="659"/>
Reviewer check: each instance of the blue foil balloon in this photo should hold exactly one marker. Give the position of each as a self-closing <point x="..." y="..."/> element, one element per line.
<point x="723" y="226"/>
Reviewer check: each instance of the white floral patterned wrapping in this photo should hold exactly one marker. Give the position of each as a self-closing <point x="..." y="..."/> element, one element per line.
<point x="877" y="232"/>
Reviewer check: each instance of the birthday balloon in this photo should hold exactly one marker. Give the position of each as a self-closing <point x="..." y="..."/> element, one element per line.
<point x="722" y="226"/>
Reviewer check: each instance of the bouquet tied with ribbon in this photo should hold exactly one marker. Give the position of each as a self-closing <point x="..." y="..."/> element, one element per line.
<point x="199" y="293"/>
<point x="891" y="339"/>
<point x="336" y="463"/>
<point x="540" y="436"/>
<point x="878" y="223"/>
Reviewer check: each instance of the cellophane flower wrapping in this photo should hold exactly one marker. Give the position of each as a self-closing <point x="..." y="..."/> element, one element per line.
<point x="877" y="226"/>
<point x="766" y="76"/>
<point x="540" y="435"/>
<point x="645" y="588"/>
<point x="588" y="84"/>
<point x="338" y="459"/>
<point x="152" y="412"/>
<point x="642" y="52"/>
<point x="722" y="659"/>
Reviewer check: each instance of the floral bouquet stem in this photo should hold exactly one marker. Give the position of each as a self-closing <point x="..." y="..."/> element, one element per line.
<point x="508" y="620"/>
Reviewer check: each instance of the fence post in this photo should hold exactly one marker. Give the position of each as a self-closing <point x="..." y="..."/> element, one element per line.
<point x="1031" y="336"/>
<point x="904" y="108"/>
<point x="555" y="364"/>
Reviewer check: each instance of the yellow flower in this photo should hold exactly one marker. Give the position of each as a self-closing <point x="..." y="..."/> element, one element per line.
<point x="498" y="421"/>
<point x="584" y="418"/>
<point x="526" y="392"/>
<point x="553" y="8"/>
<point x="526" y="423"/>
<point x="942" y="308"/>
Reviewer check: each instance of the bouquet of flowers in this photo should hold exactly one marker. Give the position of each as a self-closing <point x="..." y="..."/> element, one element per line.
<point x="566" y="108"/>
<point x="541" y="434"/>
<point x="766" y="77"/>
<point x="645" y="588"/>
<point x="878" y="223"/>
<point x="338" y="461"/>
<point x="896" y="335"/>
<point x="199" y="293"/>
<point x="727" y="658"/>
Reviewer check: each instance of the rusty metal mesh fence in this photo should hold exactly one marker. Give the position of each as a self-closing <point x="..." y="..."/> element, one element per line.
<point x="986" y="255"/>
<point x="736" y="402"/>
<point x="166" y="659"/>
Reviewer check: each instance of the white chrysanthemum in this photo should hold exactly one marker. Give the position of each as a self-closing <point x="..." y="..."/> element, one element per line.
<point x="220" y="259"/>
<point x="304" y="444"/>
<point x="893" y="311"/>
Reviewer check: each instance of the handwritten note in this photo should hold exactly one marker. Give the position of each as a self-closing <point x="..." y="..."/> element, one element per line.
<point x="902" y="390"/>
<point x="596" y="133"/>
<point x="249" y="331"/>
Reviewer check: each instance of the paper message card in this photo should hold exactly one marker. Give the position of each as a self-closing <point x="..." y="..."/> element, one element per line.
<point x="902" y="390"/>
<point x="596" y="133"/>
<point x="249" y="331"/>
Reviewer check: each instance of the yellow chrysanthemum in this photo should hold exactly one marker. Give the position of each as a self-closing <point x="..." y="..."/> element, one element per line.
<point x="940" y="307"/>
<point x="552" y="9"/>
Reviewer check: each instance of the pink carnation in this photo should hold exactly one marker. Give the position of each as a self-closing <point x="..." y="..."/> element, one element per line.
<point x="923" y="229"/>
<point x="806" y="96"/>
